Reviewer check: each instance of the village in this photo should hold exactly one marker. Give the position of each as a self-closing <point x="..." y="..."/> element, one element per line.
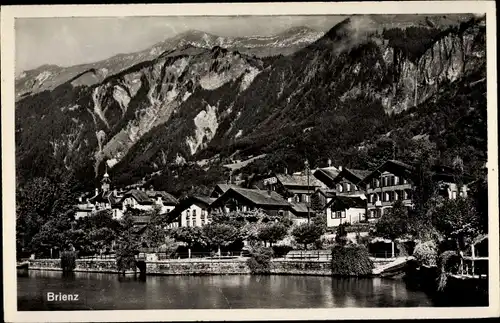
<point x="340" y="196"/>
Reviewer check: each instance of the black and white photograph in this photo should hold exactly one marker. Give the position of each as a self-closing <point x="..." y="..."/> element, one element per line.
<point x="327" y="159"/>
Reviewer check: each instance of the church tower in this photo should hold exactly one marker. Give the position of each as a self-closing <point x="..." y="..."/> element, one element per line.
<point x="106" y="181"/>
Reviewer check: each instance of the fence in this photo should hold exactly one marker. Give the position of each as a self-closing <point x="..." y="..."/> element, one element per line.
<point x="384" y="254"/>
<point x="95" y="257"/>
<point x="309" y="255"/>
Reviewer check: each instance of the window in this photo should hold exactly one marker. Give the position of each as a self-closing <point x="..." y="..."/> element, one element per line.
<point x="405" y="181"/>
<point x="454" y="194"/>
<point x="356" y="188"/>
<point x="188" y="218"/>
<point x="338" y="214"/>
<point x="348" y="187"/>
<point x="340" y="188"/>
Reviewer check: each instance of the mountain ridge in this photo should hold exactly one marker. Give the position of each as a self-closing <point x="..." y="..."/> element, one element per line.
<point x="164" y="115"/>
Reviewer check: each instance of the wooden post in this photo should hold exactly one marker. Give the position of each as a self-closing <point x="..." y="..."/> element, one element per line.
<point x="473" y="256"/>
<point x="392" y="248"/>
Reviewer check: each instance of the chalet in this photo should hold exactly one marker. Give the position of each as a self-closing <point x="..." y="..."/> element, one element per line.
<point x="347" y="180"/>
<point x="220" y="189"/>
<point x="388" y="183"/>
<point x="393" y="181"/>
<point x="300" y="213"/>
<point x="296" y="187"/>
<point x="345" y="209"/>
<point x="244" y="199"/>
<point x="147" y="200"/>
<point x="327" y="176"/>
<point x="191" y="212"/>
<point x="165" y="200"/>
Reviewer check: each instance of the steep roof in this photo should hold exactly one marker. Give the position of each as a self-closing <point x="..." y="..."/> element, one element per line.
<point x="222" y="188"/>
<point x="327" y="175"/>
<point x="346" y="202"/>
<point x="140" y="196"/>
<point x="186" y="203"/>
<point x="297" y="180"/>
<point x="359" y="173"/>
<point x="299" y="208"/>
<point x="395" y="166"/>
<point x="167" y="198"/>
<point x="326" y="193"/>
<point x="255" y="196"/>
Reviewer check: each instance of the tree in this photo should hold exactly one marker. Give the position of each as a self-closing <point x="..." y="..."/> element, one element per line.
<point x="307" y="233"/>
<point x="272" y="233"/>
<point x="220" y="234"/>
<point x="39" y="201"/>
<point x="394" y="224"/>
<point x="190" y="236"/>
<point x="316" y="204"/>
<point x="457" y="219"/>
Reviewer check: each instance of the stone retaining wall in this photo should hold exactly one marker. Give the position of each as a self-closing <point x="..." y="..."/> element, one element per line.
<point x="195" y="266"/>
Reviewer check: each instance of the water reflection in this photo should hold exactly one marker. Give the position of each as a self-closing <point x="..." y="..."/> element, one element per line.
<point x="112" y="291"/>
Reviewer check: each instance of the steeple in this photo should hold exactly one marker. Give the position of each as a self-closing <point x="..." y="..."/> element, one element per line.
<point x="105" y="180"/>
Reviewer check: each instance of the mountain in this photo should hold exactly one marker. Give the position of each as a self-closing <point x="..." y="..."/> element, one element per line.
<point x="354" y="95"/>
<point x="47" y="77"/>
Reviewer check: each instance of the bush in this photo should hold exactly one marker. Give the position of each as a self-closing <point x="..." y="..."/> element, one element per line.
<point x="281" y="250"/>
<point x="448" y="262"/>
<point x="260" y="261"/>
<point x="351" y="260"/>
<point x="426" y="253"/>
<point x="68" y="261"/>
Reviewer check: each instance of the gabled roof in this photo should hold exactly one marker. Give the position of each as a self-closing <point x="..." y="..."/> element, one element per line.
<point x="140" y="196"/>
<point x="262" y="198"/>
<point x="360" y="174"/>
<point x="298" y="180"/>
<point x="167" y="198"/>
<point x="300" y="209"/>
<point x="394" y="166"/>
<point x="346" y="202"/>
<point x="222" y="188"/>
<point x="326" y="175"/>
<point x="206" y="201"/>
<point x="325" y="192"/>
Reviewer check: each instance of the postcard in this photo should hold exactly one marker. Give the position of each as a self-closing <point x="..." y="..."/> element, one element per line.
<point x="250" y="161"/>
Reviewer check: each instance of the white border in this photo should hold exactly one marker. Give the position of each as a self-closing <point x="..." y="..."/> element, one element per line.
<point x="8" y="157"/>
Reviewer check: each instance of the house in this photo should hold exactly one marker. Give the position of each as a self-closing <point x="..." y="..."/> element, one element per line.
<point x="393" y="181"/>
<point x="165" y="200"/>
<point x="191" y="212"/>
<point x="347" y="179"/>
<point x="244" y="199"/>
<point x="220" y="189"/>
<point x="137" y="199"/>
<point x="296" y="187"/>
<point x="390" y="182"/>
<point x="345" y="209"/>
<point x="447" y="179"/>
<point x="326" y="176"/>
<point x="147" y="200"/>
<point x="300" y="213"/>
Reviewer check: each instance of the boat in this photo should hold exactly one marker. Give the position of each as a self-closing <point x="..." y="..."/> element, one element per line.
<point x="23" y="265"/>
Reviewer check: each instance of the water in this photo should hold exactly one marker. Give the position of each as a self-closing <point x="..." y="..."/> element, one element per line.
<point x="113" y="292"/>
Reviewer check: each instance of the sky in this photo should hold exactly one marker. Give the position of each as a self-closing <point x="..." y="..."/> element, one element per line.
<point x="77" y="40"/>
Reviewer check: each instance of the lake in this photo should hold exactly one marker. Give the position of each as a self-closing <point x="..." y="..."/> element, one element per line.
<point x="100" y="291"/>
